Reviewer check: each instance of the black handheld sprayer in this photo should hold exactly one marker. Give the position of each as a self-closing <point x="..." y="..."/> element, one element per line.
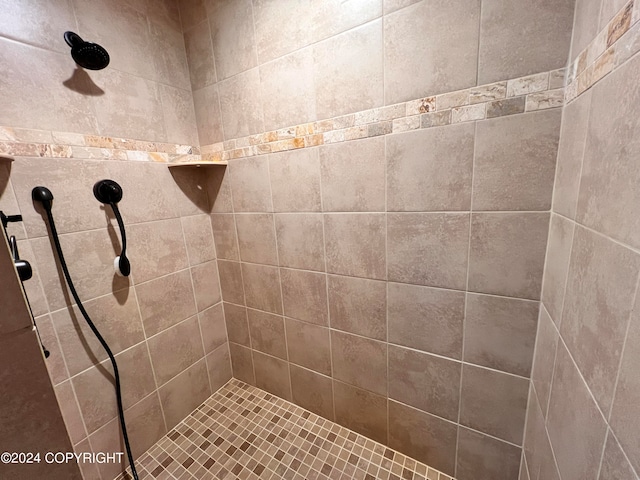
<point x="110" y="192"/>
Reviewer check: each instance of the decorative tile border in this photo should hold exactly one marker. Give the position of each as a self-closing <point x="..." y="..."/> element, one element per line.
<point x="613" y="46"/>
<point x="526" y="94"/>
<point x="21" y="142"/>
<point x="608" y="50"/>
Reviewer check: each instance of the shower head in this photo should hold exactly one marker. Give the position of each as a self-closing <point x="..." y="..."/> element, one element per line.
<point x="87" y="55"/>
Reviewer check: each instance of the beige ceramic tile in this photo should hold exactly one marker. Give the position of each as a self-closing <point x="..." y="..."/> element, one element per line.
<point x="494" y="403"/>
<point x="212" y="327"/>
<point x="206" y="285"/>
<point x="312" y="391"/>
<point x="169" y="55"/>
<point x="262" y="287"/>
<point x="507" y="253"/>
<point x="91" y="265"/>
<point x="424" y="381"/>
<point x="525" y="47"/>
<point x="166" y="301"/>
<point x="275" y="38"/>
<point x="353" y="176"/>
<point x="249" y="179"/>
<point x="38" y="25"/>
<point x="295" y="180"/>
<point x="305" y="295"/>
<point x="241" y="115"/>
<point x="358" y="305"/>
<point x="95" y="391"/>
<point x="355" y="244"/>
<point x="179" y="115"/>
<point x="446" y="62"/>
<point x="198" y="238"/>
<point x="272" y="375"/>
<point x="433" y="442"/>
<point x="242" y="363"/>
<point x="624" y="407"/>
<point x="480" y="456"/>
<point x="500" y="333"/>
<point x="70" y="182"/>
<point x="67" y="110"/>
<point x="267" y="333"/>
<point x="300" y="241"/>
<point x="570" y="152"/>
<point x="257" y="238"/>
<point x="117" y="318"/>
<point x="348" y="71"/>
<point x="233" y="38"/>
<point x="425" y="318"/>
<point x="430" y="170"/>
<point x="599" y="298"/>
<point x="361" y="411"/>
<point x="237" y="324"/>
<point x="332" y="17"/>
<point x="156" y="249"/>
<point x="175" y="349"/>
<point x="557" y="265"/>
<point x="428" y="248"/>
<point x="144" y="106"/>
<point x="219" y="367"/>
<point x="544" y="358"/>
<point x="191" y="13"/>
<point x="575" y="424"/>
<point x="607" y="198"/>
<point x="231" y="282"/>
<point x="309" y="346"/>
<point x="288" y="90"/>
<point x="184" y="392"/>
<point x="359" y="361"/>
<point x="224" y="235"/>
<point x="515" y="161"/>
<point x="208" y="117"/>
<point x="202" y="70"/>
<point x="614" y="462"/>
<point x="70" y="412"/>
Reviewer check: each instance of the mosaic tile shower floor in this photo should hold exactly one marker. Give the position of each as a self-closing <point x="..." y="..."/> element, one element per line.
<point x="242" y="432"/>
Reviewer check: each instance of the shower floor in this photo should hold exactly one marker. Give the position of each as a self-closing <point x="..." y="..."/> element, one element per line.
<point x="242" y="432"/>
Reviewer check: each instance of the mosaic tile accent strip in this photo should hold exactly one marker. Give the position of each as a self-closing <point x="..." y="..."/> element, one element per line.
<point x="242" y="432"/>
<point x="24" y="142"/>
<point x="519" y="95"/>
<point x="614" y="45"/>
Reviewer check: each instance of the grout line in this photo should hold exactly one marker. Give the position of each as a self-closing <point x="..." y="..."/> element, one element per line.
<point x="386" y="275"/>
<point x="466" y="296"/>
<point x="275" y="238"/>
<point x="327" y="280"/>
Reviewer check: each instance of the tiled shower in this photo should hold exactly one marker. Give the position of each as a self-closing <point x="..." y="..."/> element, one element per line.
<point x="412" y="240"/>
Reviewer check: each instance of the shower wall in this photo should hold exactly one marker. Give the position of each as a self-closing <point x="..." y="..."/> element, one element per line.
<point x="385" y="270"/>
<point x="583" y="405"/>
<point x="66" y="130"/>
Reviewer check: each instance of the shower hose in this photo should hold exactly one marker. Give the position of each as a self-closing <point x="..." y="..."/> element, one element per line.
<point x="94" y="329"/>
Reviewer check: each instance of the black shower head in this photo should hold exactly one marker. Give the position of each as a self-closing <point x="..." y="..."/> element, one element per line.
<point x="88" y="55"/>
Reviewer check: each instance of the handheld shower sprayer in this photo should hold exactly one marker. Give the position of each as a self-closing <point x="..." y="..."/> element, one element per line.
<point x="110" y="193"/>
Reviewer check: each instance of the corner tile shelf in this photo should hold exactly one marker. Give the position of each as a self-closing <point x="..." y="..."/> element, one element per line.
<point x="197" y="164"/>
